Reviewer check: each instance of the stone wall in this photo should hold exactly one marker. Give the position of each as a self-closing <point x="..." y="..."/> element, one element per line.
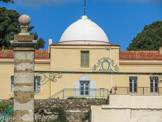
<point x="77" y="110"/>
<point x="69" y="104"/>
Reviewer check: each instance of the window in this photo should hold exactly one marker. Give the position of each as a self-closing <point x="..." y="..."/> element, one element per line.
<point x="12" y="83"/>
<point x="36" y="84"/>
<point x="84" y="58"/>
<point x="84" y="88"/>
<point x="133" y="84"/>
<point x="154" y="84"/>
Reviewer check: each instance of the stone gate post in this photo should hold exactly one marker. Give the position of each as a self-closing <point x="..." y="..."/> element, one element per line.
<point x="24" y="49"/>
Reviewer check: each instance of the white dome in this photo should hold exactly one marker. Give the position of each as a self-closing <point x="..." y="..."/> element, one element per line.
<point x="84" y="31"/>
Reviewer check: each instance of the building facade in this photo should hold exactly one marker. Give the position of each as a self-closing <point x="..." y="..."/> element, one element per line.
<point x="85" y="64"/>
<point x="129" y="108"/>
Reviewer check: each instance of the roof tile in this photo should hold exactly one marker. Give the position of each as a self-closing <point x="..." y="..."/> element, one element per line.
<point x="140" y="55"/>
<point x="39" y="54"/>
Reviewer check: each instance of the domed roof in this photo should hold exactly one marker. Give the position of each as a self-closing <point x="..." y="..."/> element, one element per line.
<point x="84" y="31"/>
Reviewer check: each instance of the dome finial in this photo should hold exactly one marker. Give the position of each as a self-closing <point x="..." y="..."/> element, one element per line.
<point x="84" y="7"/>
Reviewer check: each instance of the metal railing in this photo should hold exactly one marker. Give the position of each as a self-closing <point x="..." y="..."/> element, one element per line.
<point x="6" y="117"/>
<point x="138" y="90"/>
<point x="90" y="93"/>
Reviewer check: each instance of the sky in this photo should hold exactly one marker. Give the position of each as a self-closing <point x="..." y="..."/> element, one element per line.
<point x="121" y="20"/>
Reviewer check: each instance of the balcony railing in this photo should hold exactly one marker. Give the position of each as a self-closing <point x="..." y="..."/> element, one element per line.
<point x="137" y="90"/>
<point x="90" y="93"/>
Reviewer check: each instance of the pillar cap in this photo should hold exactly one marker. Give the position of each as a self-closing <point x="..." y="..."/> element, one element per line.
<point x="24" y="20"/>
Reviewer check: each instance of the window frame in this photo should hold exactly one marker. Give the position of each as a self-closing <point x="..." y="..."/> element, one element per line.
<point x="84" y="90"/>
<point x="12" y="84"/>
<point x="82" y="65"/>
<point x="35" y="88"/>
<point x="154" y="85"/>
<point x="133" y="85"/>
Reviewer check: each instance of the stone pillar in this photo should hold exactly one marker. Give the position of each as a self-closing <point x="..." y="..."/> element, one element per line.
<point x="24" y="49"/>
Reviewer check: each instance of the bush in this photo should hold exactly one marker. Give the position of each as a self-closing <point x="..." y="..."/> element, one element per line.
<point x="77" y="98"/>
<point x="61" y="115"/>
<point x="86" y="116"/>
<point x="4" y="106"/>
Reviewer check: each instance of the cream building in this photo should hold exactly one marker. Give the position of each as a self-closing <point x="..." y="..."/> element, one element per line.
<point x="129" y="108"/>
<point x="85" y="64"/>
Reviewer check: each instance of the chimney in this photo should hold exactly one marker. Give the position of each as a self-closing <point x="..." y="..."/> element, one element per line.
<point x="160" y="50"/>
<point x="49" y="43"/>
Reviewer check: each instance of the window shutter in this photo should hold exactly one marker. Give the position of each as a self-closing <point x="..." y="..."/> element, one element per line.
<point x="84" y="58"/>
<point x="76" y="88"/>
<point x="92" y="89"/>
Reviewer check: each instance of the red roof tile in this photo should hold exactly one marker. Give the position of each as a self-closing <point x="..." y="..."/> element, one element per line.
<point x="42" y="54"/>
<point x="140" y="55"/>
<point x="124" y="55"/>
<point x="39" y="54"/>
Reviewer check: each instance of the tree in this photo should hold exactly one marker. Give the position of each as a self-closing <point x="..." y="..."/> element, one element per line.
<point x="149" y="39"/>
<point x="9" y="26"/>
<point x="40" y="43"/>
<point x="6" y="1"/>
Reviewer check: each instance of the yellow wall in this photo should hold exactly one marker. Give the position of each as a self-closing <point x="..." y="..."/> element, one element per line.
<point x="67" y="81"/>
<point x="151" y="68"/>
<point x="67" y="59"/>
<point x="7" y="70"/>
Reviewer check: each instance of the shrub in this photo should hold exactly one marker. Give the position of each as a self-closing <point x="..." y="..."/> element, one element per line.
<point x="77" y="98"/>
<point x="4" y="106"/>
<point x="61" y="115"/>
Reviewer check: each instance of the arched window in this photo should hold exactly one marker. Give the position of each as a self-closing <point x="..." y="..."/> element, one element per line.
<point x="84" y="78"/>
<point x="84" y="85"/>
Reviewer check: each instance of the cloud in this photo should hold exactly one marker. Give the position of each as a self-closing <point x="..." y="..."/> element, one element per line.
<point x="39" y="3"/>
<point x="157" y="2"/>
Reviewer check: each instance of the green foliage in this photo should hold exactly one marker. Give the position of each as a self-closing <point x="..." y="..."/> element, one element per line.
<point x="86" y="116"/>
<point x="6" y="1"/>
<point x="40" y="43"/>
<point x="149" y="39"/>
<point x="77" y="98"/>
<point x="4" y="106"/>
<point x="11" y="98"/>
<point x="9" y="26"/>
<point x="83" y="98"/>
<point x="61" y="115"/>
<point x="71" y="98"/>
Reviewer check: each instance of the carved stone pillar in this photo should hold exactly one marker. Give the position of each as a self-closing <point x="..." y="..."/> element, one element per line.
<point x="24" y="49"/>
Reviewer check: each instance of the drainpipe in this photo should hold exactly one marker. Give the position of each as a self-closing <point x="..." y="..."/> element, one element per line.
<point x="111" y="73"/>
<point x="111" y="79"/>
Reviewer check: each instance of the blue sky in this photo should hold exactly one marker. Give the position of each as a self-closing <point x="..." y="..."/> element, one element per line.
<point x="121" y="20"/>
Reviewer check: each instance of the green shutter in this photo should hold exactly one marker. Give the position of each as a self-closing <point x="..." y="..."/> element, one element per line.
<point x="84" y="58"/>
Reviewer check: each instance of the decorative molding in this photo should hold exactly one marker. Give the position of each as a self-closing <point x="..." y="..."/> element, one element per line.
<point x="111" y="67"/>
<point x="45" y="77"/>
